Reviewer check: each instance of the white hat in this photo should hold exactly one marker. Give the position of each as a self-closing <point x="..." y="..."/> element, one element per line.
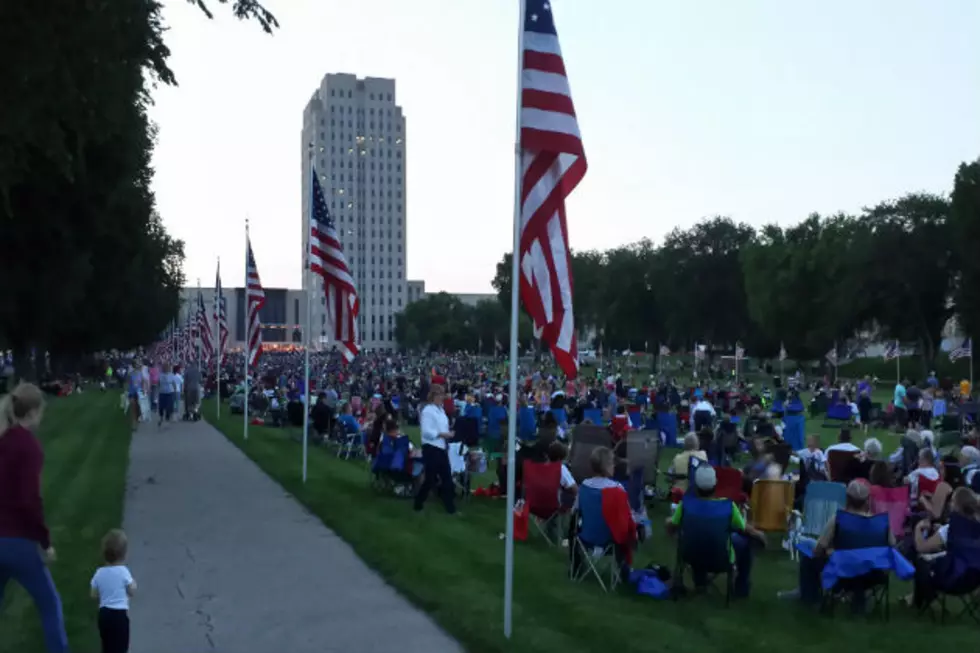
<point x="705" y="478"/>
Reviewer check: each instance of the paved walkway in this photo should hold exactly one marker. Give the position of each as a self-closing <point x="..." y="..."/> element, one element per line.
<point x="227" y="562"/>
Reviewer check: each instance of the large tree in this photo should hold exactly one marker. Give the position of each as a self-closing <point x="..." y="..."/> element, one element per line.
<point x="965" y="222"/>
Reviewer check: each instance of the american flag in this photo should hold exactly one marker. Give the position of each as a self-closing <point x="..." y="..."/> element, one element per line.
<point x="739" y="352"/>
<point x="963" y="351"/>
<point x="782" y="352"/>
<point x="255" y="300"/>
<point x="204" y="332"/>
<point x="327" y="260"/>
<point x="892" y="351"/>
<point x="664" y="350"/>
<point x="699" y="351"/>
<point x="220" y="318"/>
<point x="832" y="356"/>
<point x="553" y="163"/>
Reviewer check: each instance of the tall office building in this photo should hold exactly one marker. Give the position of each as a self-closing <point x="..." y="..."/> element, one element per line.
<point x="354" y="135"/>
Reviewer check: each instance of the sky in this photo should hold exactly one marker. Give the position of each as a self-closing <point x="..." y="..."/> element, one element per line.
<point x="761" y="110"/>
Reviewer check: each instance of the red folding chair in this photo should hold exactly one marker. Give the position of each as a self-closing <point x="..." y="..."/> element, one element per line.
<point x="542" y="484"/>
<point x="729" y="485"/>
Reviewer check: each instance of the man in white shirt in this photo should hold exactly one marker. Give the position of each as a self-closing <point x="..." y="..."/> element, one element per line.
<point x="701" y="406"/>
<point x="843" y="443"/>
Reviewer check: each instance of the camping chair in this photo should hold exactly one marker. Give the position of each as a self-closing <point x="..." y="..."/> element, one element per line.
<point x="586" y="438"/>
<point x="351" y="443"/>
<point x="729" y="483"/>
<point x="592" y="545"/>
<point x="838" y="415"/>
<point x="704" y="542"/>
<point x="893" y="501"/>
<point x="542" y="483"/>
<point x="527" y="424"/>
<point x="820" y="504"/>
<point x="837" y="461"/>
<point x="391" y="466"/>
<point x="667" y="422"/>
<point x="635" y="416"/>
<point x="593" y="415"/>
<point x="771" y="504"/>
<point x="495" y="419"/>
<point x="957" y="573"/>
<point x="643" y="452"/>
<point x="794" y="431"/>
<point x="561" y="417"/>
<point x="938" y="409"/>
<point x="862" y="560"/>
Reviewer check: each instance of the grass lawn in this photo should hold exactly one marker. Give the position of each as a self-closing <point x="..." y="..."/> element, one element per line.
<point x="86" y="447"/>
<point x="453" y="569"/>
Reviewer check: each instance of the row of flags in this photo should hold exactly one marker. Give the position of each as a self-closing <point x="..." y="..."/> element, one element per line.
<point x="892" y="351"/>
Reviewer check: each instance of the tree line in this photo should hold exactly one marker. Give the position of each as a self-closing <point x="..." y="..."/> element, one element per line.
<point x="85" y="261"/>
<point x="899" y="270"/>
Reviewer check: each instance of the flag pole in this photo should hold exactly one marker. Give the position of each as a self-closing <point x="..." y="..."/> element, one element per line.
<point x="247" y="327"/>
<point x="200" y="336"/>
<point x="514" y="306"/>
<point x="308" y="335"/>
<point x="971" y="366"/>
<point x="217" y="343"/>
<point x="898" y="363"/>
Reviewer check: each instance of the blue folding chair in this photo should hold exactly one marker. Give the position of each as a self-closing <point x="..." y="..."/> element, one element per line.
<point x="594" y="415"/>
<point x="704" y="542"/>
<point x="636" y="420"/>
<point x="561" y="417"/>
<point x="593" y="547"/>
<point x="527" y="425"/>
<point x="498" y="415"/>
<point x="794" y="432"/>
<point x="957" y="574"/>
<point x="822" y="501"/>
<point x="861" y="562"/>
<point x="667" y="424"/>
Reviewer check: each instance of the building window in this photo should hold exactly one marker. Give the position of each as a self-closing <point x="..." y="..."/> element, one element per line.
<point x="332" y="93"/>
<point x="349" y="95"/>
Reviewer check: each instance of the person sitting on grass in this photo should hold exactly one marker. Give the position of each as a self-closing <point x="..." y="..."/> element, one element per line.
<point x="705" y="480"/>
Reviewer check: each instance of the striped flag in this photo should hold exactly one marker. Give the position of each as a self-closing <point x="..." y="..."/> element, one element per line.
<point x="553" y="163"/>
<point x="782" y="352"/>
<point x="327" y="260"/>
<point x="965" y="350"/>
<point x="892" y="351"/>
<point x="254" y="301"/>
<point x="204" y="333"/>
<point x="220" y="318"/>
<point x="832" y="356"/>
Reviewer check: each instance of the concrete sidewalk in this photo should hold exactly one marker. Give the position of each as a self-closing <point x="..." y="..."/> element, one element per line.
<point x="226" y="561"/>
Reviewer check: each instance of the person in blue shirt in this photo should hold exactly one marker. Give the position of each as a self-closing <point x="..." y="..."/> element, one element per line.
<point x="901" y="410"/>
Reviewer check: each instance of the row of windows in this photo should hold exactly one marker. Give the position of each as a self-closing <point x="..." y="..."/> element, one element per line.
<point x="340" y="191"/>
<point x="360" y="165"/>
<point x="382" y="125"/>
<point x="360" y="111"/>
<point x="350" y="94"/>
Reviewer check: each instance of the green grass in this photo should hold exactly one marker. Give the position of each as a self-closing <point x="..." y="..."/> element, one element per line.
<point x="86" y="448"/>
<point x="453" y="569"/>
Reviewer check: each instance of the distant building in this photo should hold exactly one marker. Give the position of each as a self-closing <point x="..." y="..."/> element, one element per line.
<point x="416" y="291"/>
<point x="283" y="317"/>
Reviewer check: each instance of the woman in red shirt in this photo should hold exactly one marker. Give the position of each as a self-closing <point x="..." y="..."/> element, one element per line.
<point x="25" y="547"/>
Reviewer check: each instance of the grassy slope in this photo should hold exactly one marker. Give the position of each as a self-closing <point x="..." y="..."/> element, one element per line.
<point x="86" y="445"/>
<point x="453" y="568"/>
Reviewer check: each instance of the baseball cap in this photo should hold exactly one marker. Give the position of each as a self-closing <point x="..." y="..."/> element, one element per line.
<point x="705" y="478"/>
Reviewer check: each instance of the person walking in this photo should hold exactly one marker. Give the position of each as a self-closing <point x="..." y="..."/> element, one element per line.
<point x="435" y="434"/>
<point x="113" y="586"/>
<point x="25" y="545"/>
<point x="167" y="392"/>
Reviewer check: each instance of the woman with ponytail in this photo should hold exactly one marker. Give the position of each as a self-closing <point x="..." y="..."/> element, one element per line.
<point x="25" y="547"/>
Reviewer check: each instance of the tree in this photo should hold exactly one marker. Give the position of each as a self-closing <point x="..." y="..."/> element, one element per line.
<point x="965" y="225"/>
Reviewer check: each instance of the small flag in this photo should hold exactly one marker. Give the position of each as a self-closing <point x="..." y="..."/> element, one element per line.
<point x="739" y="352"/>
<point x="204" y="333"/>
<point x="255" y="300"/>
<point x="963" y="351"/>
<point x="782" y="352"/>
<point x="892" y="350"/>
<point x="832" y="356"/>
<point x="664" y="350"/>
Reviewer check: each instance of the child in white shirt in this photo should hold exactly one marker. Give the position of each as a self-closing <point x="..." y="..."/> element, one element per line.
<point x="113" y="586"/>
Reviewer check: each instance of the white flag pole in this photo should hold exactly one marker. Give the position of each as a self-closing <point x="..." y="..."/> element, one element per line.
<point x="514" y="305"/>
<point x="971" y="366"/>
<point x="247" y="327"/>
<point x="898" y="363"/>
<point x="307" y="337"/>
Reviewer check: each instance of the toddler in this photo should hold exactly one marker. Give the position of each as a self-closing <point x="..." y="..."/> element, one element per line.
<point x="113" y="586"/>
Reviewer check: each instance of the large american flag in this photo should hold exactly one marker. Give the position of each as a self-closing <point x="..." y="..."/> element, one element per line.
<point x="553" y="163"/>
<point x="204" y="331"/>
<point x="220" y="318"/>
<point x="255" y="300"/>
<point x="963" y="351"/>
<point x="327" y="260"/>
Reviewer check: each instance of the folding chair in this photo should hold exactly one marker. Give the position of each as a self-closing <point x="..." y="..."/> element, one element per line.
<point x="820" y="505"/>
<point x="585" y="439"/>
<point x="894" y="502"/>
<point x="729" y="485"/>
<point x="593" y="415"/>
<point x="771" y="504"/>
<point x="527" y="423"/>
<point x="837" y="461"/>
<point x="704" y="542"/>
<point x="593" y="551"/>
<point x="643" y="452"/>
<point x="853" y="533"/>
<point x="542" y="483"/>
<point x="957" y="573"/>
<point x="351" y="441"/>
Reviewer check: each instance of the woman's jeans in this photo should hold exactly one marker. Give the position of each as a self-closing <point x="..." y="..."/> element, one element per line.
<point x="20" y="560"/>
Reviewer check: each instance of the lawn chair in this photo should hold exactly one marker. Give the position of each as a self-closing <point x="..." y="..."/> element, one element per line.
<point x="838" y="415"/>
<point x="729" y="485"/>
<point x="593" y="547"/>
<point x="771" y="505"/>
<point x="527" y="424"/>
<point x="561" y="417"/>
<point x="391" y="467"/>
<point x="586" y="438"/>
<point x="820" y="505"/>
<point x="861" y="561"/>
<point x="893" y="501"/>
<point x="794" y="432"/>
<point x="957" y="574"/>
<point x="667" y="422"/>
<point x="643" y="452"/>
<point x="636" y="418"/>
<point x="593" y="415"/>
<point x="351" y="443"/>
<point x="704" y="543"/>
<point x="837" y="461"/>
<point x="542" y="483"/>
